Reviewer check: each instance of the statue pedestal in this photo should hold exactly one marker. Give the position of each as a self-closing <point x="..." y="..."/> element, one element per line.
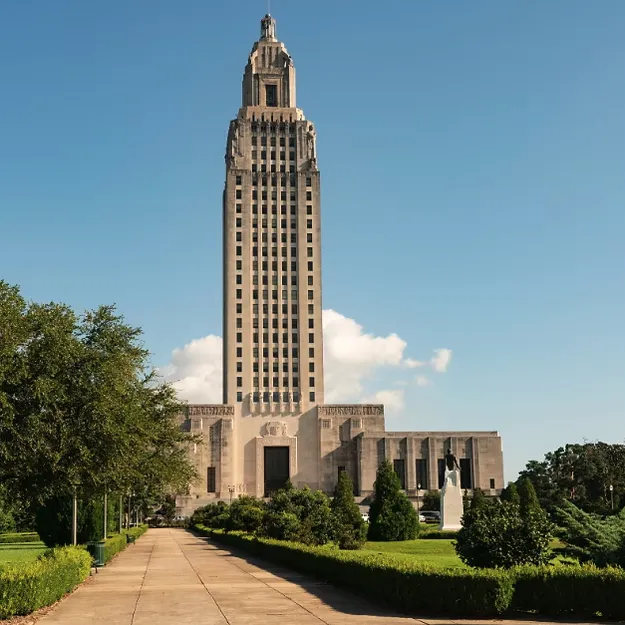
<point x="451" y="502"/>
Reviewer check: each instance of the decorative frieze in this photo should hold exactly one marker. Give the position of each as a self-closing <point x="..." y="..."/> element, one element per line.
<point x="273" y="428"/>
<point x="210" y="410"/>
<point x="351" y="410"/>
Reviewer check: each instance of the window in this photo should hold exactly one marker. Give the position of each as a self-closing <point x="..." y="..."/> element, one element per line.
<point x="239" y="322"/>
<point x="239" y="352"/>
<point x="294" y="309"/>
<point x="310" y="265"/>
<point x="311" y="352"/>
<point x="311" y="337"/>
<point x="310" y="280"/>
<point x="285" y="381"/>
<point x="326" y="424"/>
<point x="239" y="265"/>
<point x="238" y="194"/>
<point x="238" y="211"/>
<point x="311" y="396"/>
<point x="275" y="337"/>
<point x="239" y="367"/>
<point x="239" y="250"/>
<point x="256" y="382"/>
<point x="239" y="293"/>
<point x="309" y="196"/>
<point x="239" y="309"/>
<point x="466" y="479"/>
<point x="492" y="483"/>
<point x="294" y="324"/>
<point x="276" y="382"/>
<point x="239" y="396"/>
<point x="293" y="265"/>
<point x="311" y="367"/>
<point x="309" y="223"/>
<point x="239" y="382"/>
<point x="271" y="97"/>
<point x="295" y="352"/>
<point x="255" y="352"/>
<point x="238" y="180"/>
<point x="310" y="252"/>
<point x="311" y="294"/>
<point x="308" y="181"/>
<point x="422" y="473"/>
<point x="309" y="237"/>
<point x="211" y="480"/>
<point x="400" y="469"/>
<point x="311" y="381"/>
<point x="239" y="236"/>
<point x="265" y="382"/>
<point x="295" y="382"/>
<point x="309" y="209"/>
<point x="292" y="156"/>
<point x="239" y="337"/>
<point x="311" y="309"/>
<point x="266" y="397"/>
<point x="239" y="278"/>
<point x="255" y="368"/>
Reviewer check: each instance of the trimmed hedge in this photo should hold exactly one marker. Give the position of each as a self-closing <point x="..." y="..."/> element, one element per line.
<point x="438" y="534"/>
<point x="25" y="588"/>
<point x="570" y="590"/>
<point x="404" y="585"/>
<point x="17" y="537"/>
<point x="118" y="542"/>
<point x="582" y="591"/>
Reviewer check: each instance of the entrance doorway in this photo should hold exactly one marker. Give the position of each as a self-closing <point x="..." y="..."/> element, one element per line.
<point x="276" y="469"/>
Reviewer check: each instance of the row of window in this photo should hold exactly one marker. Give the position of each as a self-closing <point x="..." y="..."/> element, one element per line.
<point x="274" y="323"/>
<point x="274" y="294"/>
<point x="274" y="309"/>
<point x="274" y="235"/>
<point x="274" y="180"/>
<point x="275" y="367"/>
<point x="276" y="397"/>
<point x="276" y="382"/>
<point x="274" y="196"/>
<point x="272" y="155"/>
<point x="272" y="141"/>
<point x="275" y="337"/>
<point x="274" y="211"/>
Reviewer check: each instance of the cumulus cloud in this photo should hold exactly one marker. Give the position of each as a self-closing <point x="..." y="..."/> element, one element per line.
<point x="352" y="359"/>
<point x="441" y="359"/>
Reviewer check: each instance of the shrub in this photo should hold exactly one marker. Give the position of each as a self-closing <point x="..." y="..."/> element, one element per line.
<point x="434" y="534"/>
<point x="348" y="527"/>
<point x="497" y="534"/>
<point x="246" y="514"/>
<point x="27" y="587"/>
<point x="404" y="585"/>
<point x="207" y="515"/>
<point x="391" y="515"/>
<point x="310" y="508"/>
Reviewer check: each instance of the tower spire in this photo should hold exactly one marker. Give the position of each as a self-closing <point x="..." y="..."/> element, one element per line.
<point x="268" y="28"/>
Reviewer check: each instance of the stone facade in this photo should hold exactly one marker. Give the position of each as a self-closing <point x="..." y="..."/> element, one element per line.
<point x="274" y="423"/>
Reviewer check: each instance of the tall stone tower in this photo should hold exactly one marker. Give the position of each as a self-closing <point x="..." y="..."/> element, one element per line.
<point x="273" y="351"/>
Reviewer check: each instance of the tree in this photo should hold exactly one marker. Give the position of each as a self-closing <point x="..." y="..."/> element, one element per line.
<point x="431" y="500"/>
<point x="246" y="514"/>
<point x="391" y="515"/>
<point x="581" y="473"/>
<point x="349" y="528"/>
<point x="511" y="494"/>
<point x="80" y="409"/>
<point x="590" y="538"/>
<point x="499" y="536"/>
<point x="528" y="501"/>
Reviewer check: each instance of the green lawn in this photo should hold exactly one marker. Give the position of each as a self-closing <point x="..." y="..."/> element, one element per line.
<point x="439" y="553"/>
<point x="20" y="552"/>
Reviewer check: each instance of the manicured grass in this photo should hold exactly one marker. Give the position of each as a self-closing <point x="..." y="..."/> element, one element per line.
<point x="20" y="552"/>
<point x="438" y="553"/>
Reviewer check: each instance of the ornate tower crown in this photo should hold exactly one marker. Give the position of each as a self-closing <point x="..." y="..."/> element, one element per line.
<point x="269" y="79"/>
<point x="268" y="28"/>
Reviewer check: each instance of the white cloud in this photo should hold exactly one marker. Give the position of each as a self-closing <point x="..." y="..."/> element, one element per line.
<point x="441" y="359"/>
<point x="352" y="358"/>
<point x="411" y="363"/>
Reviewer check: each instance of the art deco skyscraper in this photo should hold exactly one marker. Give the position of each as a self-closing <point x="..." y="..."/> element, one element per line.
<point x="273" y="346"/>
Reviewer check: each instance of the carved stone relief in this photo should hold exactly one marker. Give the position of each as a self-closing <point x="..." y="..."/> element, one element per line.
<point x="349" y="410"/>
<point x="209" y="410"/>
<point x="273" y="428"/>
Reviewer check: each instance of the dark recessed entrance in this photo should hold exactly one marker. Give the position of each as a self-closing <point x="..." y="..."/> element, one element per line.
<point x="276" y="468"/>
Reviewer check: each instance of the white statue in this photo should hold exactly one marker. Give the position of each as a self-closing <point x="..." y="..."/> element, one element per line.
<point x="311" y="141"/>
<point x="451" y="495"/>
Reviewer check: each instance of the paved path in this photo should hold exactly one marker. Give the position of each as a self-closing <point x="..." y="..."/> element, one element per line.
<point x="172" y="577"/>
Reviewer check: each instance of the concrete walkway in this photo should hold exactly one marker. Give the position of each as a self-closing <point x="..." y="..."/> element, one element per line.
<point x="171" y="577"/>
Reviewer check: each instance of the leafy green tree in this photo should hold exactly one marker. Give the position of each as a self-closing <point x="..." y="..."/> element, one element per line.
<point x="591" y="538"/>
<point x="528" y="501"/>
<point x="210" y="515"/>
<point x="391" y="515"/>
<point x="499" y="536"/>
<point x="511" y="494"/>
<point x="246" y="514"/>
<point x="431" y="500"/>
<point x="349" y="528"/>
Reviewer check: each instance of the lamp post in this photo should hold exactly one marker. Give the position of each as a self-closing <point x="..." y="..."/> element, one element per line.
<point x="74" y="519"/>
<point x="612" y="496"/>
<point x="231" y="491"/>
<point x="418" y="502"/>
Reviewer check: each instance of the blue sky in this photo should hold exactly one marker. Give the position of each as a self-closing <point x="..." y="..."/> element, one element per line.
<point x="472" y="158"/>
